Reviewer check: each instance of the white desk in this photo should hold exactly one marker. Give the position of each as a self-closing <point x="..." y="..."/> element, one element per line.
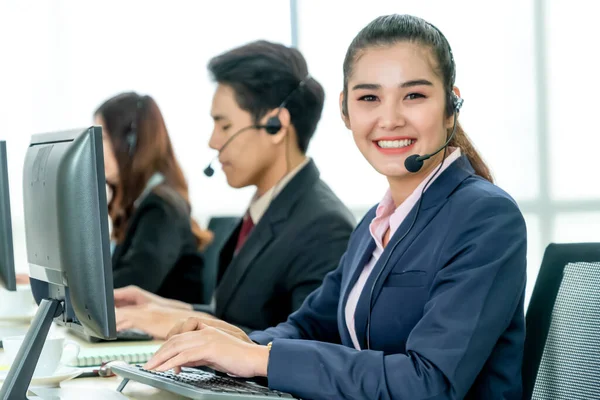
<point x="133" y="390"/>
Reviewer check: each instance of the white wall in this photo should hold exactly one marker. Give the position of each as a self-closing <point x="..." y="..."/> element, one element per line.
<point x="62" y="58"/>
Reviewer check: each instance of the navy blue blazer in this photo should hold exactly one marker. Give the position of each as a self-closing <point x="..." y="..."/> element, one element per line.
<point x="448" y="310"/>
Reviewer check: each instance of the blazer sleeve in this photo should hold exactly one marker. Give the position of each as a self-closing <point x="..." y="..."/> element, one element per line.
<point x="471" y="303"/>
<point x="153" y="251"/>
<point x="317" y="317"/>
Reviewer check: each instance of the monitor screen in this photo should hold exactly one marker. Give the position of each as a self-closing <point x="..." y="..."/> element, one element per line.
<point x="66" y="227"/>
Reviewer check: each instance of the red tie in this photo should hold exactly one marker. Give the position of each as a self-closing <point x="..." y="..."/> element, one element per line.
<point x="245" y="230"/>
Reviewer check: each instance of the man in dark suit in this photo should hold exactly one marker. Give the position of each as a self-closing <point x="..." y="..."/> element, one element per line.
<point x="265" y="109"/>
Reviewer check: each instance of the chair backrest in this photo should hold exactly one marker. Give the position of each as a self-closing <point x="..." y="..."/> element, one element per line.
<point x="562" y="345"/>
<point x="221" y="227"/>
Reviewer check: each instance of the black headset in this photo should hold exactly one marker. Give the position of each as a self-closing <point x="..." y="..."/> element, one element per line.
<point x="132" y="135"/>
<point x="413" y="164"/>
<point x="273" y="124"/>
<point x="454" y="103"/>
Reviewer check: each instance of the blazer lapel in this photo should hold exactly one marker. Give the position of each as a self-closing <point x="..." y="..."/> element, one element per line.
<point x="261" y="235"/>
<point x="359" y="259"/>
<point x="227" y="252"/>
<point x="433" y="200"/>
<point x="258" y="239"/>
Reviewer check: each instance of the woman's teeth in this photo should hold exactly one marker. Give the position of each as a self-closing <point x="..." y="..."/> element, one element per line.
<point x="394" y="144"/>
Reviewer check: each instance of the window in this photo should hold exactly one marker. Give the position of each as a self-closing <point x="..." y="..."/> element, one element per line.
<point x="535" y="252"/>
<point x="572" y="69"/>
<point x="499" y="117"/>
<point x="573" y="227"/>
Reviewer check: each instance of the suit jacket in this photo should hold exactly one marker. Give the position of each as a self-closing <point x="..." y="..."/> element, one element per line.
<point x="298" y="240"/>
<point x="447" y="319"/>
<point x="159" y="252"/>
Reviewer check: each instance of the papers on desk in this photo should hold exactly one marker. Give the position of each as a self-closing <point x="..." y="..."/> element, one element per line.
<point x="95" y="356"/>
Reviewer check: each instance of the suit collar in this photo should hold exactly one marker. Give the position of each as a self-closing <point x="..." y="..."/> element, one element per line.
<point x="153" y="182"/>
<point x="261" y="235"/>
<point x="447" y="182"/>
<point x="284" y="203"/>
<point x="259" y="205"/>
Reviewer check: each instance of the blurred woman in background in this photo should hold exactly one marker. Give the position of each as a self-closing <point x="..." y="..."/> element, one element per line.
<point x="155" y="241"/>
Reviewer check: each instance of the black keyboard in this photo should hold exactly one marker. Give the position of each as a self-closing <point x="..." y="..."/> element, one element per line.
<point x="133" y="334"/>
<point x="215" y="383"/>
<point x="124" y="335"/>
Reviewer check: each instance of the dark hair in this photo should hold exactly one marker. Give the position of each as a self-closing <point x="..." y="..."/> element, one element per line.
<point x="142" y="148"/>
<point x="391" y="29"/>
<point x="262" y="75"/>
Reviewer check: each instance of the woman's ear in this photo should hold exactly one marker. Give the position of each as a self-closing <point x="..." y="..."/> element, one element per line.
<point x="456" y="91"/>
<point x="342" y="111"/>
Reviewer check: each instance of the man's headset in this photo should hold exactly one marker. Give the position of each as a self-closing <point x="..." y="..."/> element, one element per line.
<point x="272" y="126"/>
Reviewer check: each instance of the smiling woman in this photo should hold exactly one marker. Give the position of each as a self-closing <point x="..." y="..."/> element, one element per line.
<point x="427" y="301"/>
<point x="388" y="103"/>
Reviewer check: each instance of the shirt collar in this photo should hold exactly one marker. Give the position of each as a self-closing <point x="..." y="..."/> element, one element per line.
<point x="396" y="215"/>
<point x="153" y="182"/>
<point x="259" y="205"/>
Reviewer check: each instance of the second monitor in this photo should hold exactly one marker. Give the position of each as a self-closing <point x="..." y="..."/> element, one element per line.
<point x="7" y="263"/>
<point x="66" y="229"/>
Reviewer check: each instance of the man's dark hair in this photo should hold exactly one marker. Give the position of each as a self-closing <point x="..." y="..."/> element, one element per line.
<point x="262" y="75"/>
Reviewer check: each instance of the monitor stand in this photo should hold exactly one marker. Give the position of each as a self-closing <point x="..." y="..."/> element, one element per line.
<point x="21" y="371"/>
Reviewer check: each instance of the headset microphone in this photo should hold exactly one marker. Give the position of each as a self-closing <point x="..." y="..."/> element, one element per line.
<point x="415" y="162"/>
<point x="209" y="170"/>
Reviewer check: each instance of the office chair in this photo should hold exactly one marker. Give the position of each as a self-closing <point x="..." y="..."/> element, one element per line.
<point x="562" y="354"/>
<point x="221" y="227"/>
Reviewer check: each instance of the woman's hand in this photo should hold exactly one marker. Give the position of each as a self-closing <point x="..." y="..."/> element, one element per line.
<point x="214" y="348"/>
<point x="22" y="279"/>
<point x="150" y="318"/>
<point x="135" y="296"/>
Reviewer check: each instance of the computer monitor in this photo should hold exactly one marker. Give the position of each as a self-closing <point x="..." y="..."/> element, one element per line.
<point x="66" y="230"/>
<point x="7" y="262"/>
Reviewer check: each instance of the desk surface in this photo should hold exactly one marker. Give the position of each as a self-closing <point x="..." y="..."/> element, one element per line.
<point x="133" y="390"/>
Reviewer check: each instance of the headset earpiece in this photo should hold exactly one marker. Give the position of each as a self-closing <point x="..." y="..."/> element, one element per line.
<point x="457" y="102"/>
<point x="131" y="139"/>
<point x="454" y="103"/>
<point x="273" y="125"/>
